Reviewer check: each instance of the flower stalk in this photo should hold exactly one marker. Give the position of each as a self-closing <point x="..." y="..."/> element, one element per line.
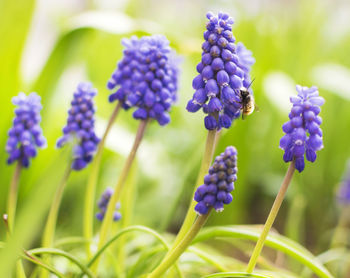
<point x="176" y="252"/>
<point x="271" y="218"/>
<point x="108" y="218"/>
<point x="92" y="182"/>
<point x="49" y="232"/>
<point x="12" y="197"/>
<point x="50" y="227"/>
<point x="206" y="161"/>
<point x="11" y="210"/>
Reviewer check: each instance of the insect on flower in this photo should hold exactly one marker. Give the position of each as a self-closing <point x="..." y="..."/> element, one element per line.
<point x="247" y="101"/>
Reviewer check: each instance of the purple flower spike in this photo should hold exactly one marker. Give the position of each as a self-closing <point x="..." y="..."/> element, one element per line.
<point x="343" y="194"/>
<point x="218" y="184"/>
<point x="103" y="204"/>
<point x="146" y="78"/>
<point x="223" y="71"/>
<point x="303" y="132"/>
<point x="80" y="127"/>
<point x="25" y="136"/>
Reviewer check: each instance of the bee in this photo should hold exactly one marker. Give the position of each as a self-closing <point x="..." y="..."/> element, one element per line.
<point x="247" y="101"/>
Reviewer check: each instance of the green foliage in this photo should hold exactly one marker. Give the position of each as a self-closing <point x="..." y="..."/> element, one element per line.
<point x="288" y="38"/>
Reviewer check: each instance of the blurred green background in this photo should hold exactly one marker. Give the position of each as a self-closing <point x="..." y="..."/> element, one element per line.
<point x="50" y="46"/>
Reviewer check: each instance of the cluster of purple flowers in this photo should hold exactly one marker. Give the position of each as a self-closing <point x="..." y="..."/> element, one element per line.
<point x="80" y="126"/>
<point x="103" y="204"/>
<point x="303" y="132"/>
<point x="218" y="184"/>
<point x="343" y="194"/>
<point x="223" y="71"/>
<point x="26" y="134"/>
<point x="146" y="78"/>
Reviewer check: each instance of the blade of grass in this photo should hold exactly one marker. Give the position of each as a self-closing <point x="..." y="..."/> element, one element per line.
<point x="125" y="231"/>
<point x="61" y="253"/>
<point x="274" y="241"/>
<point x="236" y="274"/>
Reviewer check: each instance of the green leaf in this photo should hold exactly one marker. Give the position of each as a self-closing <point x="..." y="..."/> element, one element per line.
<point x="42" y="264"/>
<point x="15" y="17"/>
<point x="127" y="230"/>
<point x="274" y="241"/>
<point x="65" y="52"/>
<point x="14" y="26"/>
<point x="74" y="36"/>
<point x="236" y="274"/>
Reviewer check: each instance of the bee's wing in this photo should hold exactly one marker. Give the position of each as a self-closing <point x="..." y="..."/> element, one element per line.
<point x="257" y="109"/>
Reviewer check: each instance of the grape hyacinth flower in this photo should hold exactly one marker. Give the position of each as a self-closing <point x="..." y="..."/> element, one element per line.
<point x="343" y="194"/>
<point x="214" y="193"/>
<point x="146" y="78"/>
<point x="223" y="71"/>
<point x="303" y="132"/>
<point x="103" y="203"/>
<point x="218" y="184"/>
<point x="26" y="134"/>
<point x="80" y="126"/>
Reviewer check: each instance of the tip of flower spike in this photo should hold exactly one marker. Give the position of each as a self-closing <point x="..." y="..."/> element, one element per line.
<point x="218" y="184"/>
<point x="158" y="42"/>
<point x="30" y="102"/>
<point x="87" y="88"/>
<point x="230" y="151"/>
<point x="221" y="16"/>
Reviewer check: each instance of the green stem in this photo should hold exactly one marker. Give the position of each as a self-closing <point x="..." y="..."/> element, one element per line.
<point x="271" y="218"/>
<point x="127" y="208"/>
<point x="11" y="210"/>
<point x="12" y="197"/>
<point x="92" y="183"/>
<point x="176" y="252"/>
<point x="61" y="253"/>
<point x="206" y="161"/>
<point x="108" y="218"/>
<point x="50" y="227"/>
<point x="49" y="232"/>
